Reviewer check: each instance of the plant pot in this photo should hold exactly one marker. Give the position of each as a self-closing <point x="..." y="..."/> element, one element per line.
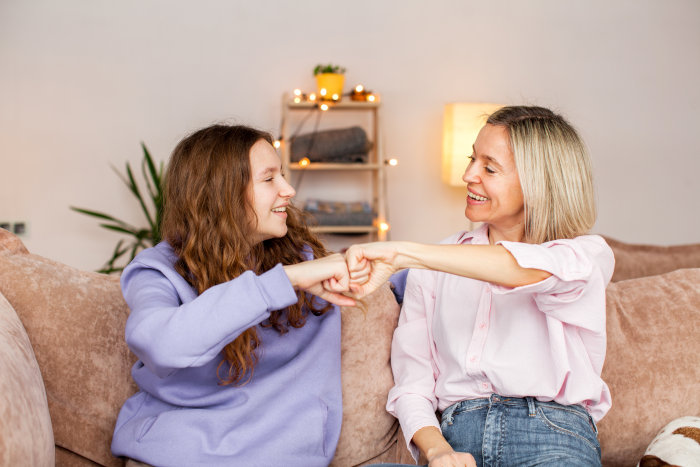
<point x="332" y="83"/>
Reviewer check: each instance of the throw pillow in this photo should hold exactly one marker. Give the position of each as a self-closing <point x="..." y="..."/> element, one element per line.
<point x="75" y="321"/>
<point x="652" y="364"/>
<point x="26" y="437"/>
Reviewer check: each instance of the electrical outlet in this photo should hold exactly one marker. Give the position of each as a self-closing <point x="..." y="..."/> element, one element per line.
<point x="20" y="229"/>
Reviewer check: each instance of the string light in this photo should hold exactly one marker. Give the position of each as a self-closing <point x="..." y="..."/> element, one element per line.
<point x="324" y="107"/>
<point x="277" y="143"/>
<point x="383" y="226"/>
<point x="393" y="162"/>
<point x="297" y="92"/>
<point x="371" y="98"/>
<point x="359" y="88"/>
<point x="304" y="162"/>
<point x="312" y="97"/>
<point x="323" y="92"/>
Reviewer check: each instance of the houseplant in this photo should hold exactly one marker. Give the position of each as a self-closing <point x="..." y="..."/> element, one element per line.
<point x="329" y="81"/>
<point x="151" y="202"/>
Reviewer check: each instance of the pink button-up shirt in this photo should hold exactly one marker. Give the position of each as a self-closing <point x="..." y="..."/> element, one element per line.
<point x="461" y="338"/>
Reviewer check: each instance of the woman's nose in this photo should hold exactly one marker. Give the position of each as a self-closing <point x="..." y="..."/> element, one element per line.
<point x="470" y="175"/>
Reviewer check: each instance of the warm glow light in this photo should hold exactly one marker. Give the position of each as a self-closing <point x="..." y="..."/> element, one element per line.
<point x="383" y="226"/>
<point x="322" y="91"/>
<point x="461" y="125"/>
<point x="393" y="162"/>
<point x="335" y="97"/>
<point x="277" y="144"/>
<point x="324" y="107"/>
<point x="312" y="97"/>
<point x="370" y="97"/>
<point x="297" y="92"/>
<point x="359" y="88"/>
<point x="304" y="162"/>
<point x="297" y="100"/>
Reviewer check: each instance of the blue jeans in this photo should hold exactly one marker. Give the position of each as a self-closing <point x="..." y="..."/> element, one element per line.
<point x="508" y="431"/>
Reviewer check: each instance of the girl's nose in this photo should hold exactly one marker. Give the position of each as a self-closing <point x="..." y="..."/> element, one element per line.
<point x="287" y="190"/>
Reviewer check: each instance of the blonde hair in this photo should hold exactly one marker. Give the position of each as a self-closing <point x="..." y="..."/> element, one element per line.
<point x="555" y="173"/>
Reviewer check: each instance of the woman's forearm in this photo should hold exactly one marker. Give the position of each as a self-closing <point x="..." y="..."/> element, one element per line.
<point x="491" y="263"/>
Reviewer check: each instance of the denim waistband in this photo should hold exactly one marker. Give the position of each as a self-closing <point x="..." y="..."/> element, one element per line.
<point x="530" y="402"/>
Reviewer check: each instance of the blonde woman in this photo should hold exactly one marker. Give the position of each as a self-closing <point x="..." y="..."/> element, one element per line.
<point x="502" y="329"/>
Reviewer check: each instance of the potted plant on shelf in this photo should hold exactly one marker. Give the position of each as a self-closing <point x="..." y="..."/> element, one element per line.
<point x="329" y="81"/>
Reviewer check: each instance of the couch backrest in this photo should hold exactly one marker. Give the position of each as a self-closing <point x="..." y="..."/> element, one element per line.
<point x="75" y="322"/>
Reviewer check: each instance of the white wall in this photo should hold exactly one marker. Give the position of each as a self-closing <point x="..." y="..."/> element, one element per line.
<point x="82" y="82"/>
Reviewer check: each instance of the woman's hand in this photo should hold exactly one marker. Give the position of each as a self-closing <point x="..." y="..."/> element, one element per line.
<point x="370" y="265"/>
<point x="326" y="278"/>
<point x="438" y="451"/>
<point x="452" y="459"/>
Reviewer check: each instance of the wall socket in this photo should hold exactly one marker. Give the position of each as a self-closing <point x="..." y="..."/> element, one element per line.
<point x="19" y="228"/>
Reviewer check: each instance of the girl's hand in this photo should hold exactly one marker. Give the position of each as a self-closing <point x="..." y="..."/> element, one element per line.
<point x="326" y="278"/>
<point x="370" y="265"/>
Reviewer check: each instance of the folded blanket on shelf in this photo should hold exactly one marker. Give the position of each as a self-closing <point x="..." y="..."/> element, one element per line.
<point x="338" y="145"/>
<point x="339" y="212"/>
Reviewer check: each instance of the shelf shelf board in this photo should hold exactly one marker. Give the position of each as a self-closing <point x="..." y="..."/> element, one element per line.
<point x="339" y="229"/>
<point x="346" y="103"/>
<point x="293" y="166"/>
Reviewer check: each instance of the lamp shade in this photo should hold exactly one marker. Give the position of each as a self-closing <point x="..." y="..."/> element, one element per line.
<point x="461" y="125"/>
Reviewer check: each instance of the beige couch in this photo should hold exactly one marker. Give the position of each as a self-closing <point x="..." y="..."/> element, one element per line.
<point x="65" y="369"/>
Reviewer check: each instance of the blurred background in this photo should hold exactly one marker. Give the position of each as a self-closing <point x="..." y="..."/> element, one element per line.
<point x="84" y="82"/>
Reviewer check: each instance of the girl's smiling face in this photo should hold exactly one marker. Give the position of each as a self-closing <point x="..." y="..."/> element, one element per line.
<point x="269" y="191"/>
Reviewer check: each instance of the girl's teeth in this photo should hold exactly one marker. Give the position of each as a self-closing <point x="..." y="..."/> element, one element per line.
<point x="477" y="197"/>
<point x="279" y="209"/>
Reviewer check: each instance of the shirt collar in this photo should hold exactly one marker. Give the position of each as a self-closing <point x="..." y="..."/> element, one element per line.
<point x="478" y="236"/>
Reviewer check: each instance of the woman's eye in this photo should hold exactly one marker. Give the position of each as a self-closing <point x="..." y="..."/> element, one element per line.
<point x="489" y="170"/>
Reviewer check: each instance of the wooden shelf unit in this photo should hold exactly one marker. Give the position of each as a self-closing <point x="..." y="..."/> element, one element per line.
<point x="375" y="164"/>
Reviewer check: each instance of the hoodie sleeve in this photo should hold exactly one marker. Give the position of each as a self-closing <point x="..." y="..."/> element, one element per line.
<point x="167" y="334"/>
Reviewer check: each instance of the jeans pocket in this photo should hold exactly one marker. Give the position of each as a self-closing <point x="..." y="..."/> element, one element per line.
<point x="570" y="422"/>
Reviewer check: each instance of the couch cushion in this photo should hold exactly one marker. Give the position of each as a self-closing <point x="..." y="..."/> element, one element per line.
<point x="369" y="433"/>
<point x="26" y="437"/>
<point x="633" y="261"/>
<point x="653" y="360"/>
<point x="75" y="321"/>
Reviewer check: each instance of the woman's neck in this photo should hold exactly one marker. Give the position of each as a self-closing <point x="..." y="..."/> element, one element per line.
<point x="515" y="233"/>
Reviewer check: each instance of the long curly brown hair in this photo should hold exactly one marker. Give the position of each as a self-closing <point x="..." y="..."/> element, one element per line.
<point x="206" y="217"/>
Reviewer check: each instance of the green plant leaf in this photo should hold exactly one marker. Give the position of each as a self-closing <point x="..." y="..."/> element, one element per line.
<point x="151" y="202"/>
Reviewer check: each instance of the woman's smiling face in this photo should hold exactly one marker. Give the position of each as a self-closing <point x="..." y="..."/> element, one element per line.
<point x="494" y="194"/>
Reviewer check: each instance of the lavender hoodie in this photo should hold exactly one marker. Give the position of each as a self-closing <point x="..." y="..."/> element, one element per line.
<point x="289" y="414"/>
